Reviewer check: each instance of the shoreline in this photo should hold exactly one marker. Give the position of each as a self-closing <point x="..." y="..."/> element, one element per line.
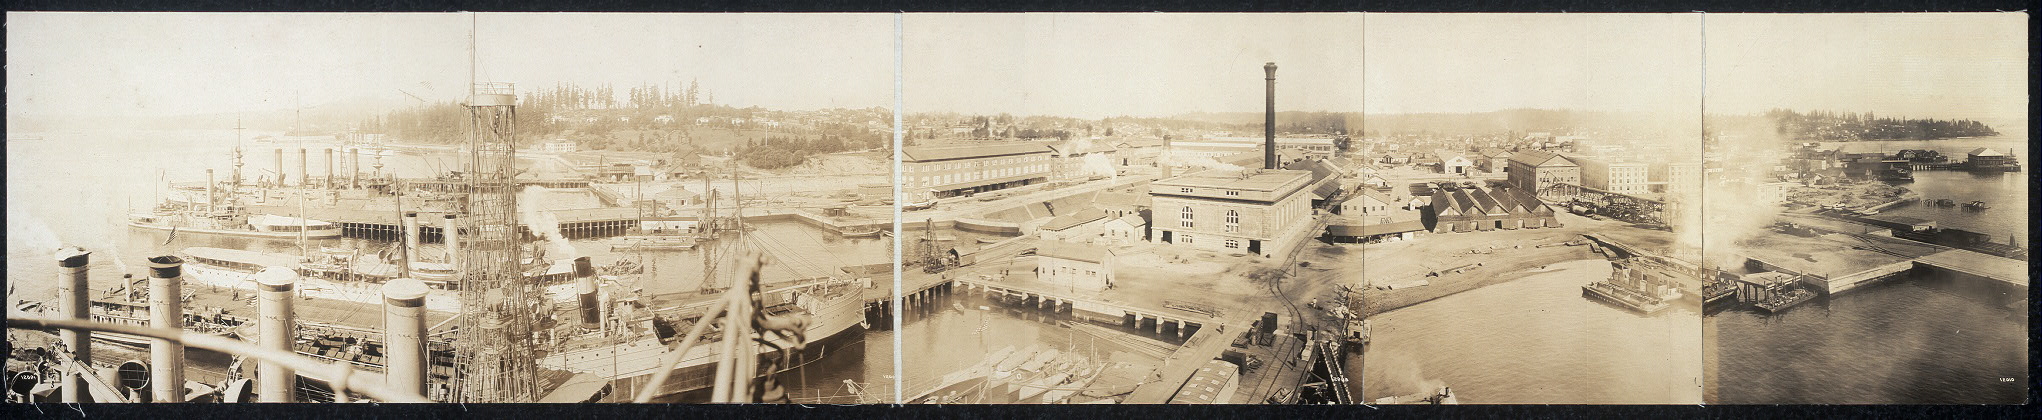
<point x="1491" y="273"/>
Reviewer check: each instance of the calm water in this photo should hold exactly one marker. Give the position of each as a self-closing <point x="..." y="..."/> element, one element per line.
<point x="1536" y="340"/>
<point x="2007" y="192"/>
<point x="75" y="188"/>
<point x="1919" y="338"/>
<point x="1924" y="339"/>
<point x="939" y="338"/>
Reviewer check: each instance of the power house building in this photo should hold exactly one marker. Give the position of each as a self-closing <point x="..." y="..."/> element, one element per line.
<point x="1258" y="211"/>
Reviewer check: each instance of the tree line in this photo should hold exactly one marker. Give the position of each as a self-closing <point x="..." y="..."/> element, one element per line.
<point x="1848" y="126"/>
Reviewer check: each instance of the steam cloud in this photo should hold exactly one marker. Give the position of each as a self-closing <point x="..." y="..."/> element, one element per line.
<point x="1730" y="212"/>
<point x="543" y="224"/>
<point x="1167" y="158"/>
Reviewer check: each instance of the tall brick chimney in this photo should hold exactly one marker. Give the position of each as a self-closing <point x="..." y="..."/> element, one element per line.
<point x="1269" y="119"/>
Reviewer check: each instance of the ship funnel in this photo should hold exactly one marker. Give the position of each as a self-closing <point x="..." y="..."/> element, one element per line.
<point x="277" y="329"/>
<point x="166" y="310"/>
<point x="72" y="291"/>
<point x="404" y="334"/>
<point x="585" y="291"/>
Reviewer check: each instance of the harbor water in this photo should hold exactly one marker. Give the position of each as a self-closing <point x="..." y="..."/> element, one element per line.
<point x="76" y="188"/>
<point x="1535" y="340"/>
<point x="1921" y="337"/>
<point x="2006" y="192"/>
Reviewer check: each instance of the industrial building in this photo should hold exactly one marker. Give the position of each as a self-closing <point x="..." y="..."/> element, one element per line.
<point x="1078" y="266"/>
<point x="1539" y="171"/>
<point x="1613" y="175"/>
<point x="931" y="172"/>
<point x="1260" y="212"/>
<point x="1471" y="209"/>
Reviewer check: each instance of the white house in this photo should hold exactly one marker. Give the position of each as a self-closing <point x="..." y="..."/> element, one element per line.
<point x="1451" y="162"/>
<point x="1074" y="265"/>
<point x="1124" y="230"/>
<point x="1368" y="202"/>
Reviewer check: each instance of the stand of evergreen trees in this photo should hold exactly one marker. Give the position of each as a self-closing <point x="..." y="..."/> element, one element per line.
<point x="1848" y="126"/>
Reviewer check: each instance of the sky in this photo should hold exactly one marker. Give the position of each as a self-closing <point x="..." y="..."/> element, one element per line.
<point x="1079" y="65"/>
<point x="157" y="64"/>
<point x="1421" y="63"/>
<point x="162" y="64"/>
<point x="1918" y="65"/>
<point x="1105" y="65"/>
<point x="777" y="61"/>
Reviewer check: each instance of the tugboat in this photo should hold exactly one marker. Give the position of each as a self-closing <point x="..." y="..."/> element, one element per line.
<point x="1946" y="203"/>
<point x="1976" y="205"/>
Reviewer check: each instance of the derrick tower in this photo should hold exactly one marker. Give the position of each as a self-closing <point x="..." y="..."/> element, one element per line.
<point x="493" y="359"/>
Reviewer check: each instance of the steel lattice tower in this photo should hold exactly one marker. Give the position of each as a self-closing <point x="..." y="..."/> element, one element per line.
<point x="493" y="361"/>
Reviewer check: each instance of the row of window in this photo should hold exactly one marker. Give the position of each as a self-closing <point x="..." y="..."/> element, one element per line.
<point x="932" y="167"/>
<point x="975" y="176"/>
<point x="1188" y="218"/>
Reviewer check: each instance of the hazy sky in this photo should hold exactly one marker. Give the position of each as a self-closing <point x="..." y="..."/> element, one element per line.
<point x="780" y="61"/>
<point x="156" y="64"/>
<point x="1928" y="65"/>
<point x="183" y="63"/>
<point x="1081" y="65"/>
<point x="1102" y="65"/>
<point x="1473" y="63"/>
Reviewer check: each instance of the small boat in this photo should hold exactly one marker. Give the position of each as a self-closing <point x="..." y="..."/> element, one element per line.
<point x="1035" y="364"/>
<point x="1946" y="203"/>
<point x="1007" y="364"/>
<point x="874" y="233"/>
<point x="1977" y="205"/>
<point x="1039" y="386"/>
<point x="985" y="240"/>
<point x="925" y="205"/>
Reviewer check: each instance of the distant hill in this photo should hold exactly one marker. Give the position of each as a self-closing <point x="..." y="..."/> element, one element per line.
<point x="1521" y="120"/>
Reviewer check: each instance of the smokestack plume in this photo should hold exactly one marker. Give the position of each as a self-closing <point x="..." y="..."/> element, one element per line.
<point x="1269" y="119"/>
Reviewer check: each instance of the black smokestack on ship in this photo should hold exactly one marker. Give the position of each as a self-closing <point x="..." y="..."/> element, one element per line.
<point x="1269" y="119"/>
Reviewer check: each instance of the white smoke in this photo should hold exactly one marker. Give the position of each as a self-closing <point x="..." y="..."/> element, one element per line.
<point x="33" y="232"/>
<point x="1097" y="164"/>
<point x="543" y="223"/>
<point x="1730" y="211"/>
<point x="1207" y="162"/>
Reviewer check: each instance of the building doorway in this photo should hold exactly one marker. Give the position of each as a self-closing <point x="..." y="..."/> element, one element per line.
<point x="1254" y="246"/>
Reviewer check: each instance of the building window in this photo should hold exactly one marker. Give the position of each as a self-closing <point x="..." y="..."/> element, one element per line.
<point x="1233" y="244"/>
<point x="1185" y="239"/>
<point x="1184" y="190"/>
<point x="1233" y="221"/>
<point x="1234" y="193"/>
<point x="1184" y="219"/>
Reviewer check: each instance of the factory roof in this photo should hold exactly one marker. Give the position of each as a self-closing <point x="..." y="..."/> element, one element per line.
<point x="1251" y="179"/>
<point x="969" y="151"/>
<point x="1372" y="226"/>
<point x="1986" y="151"/>
<point x="1068" y="221"/>
<point x="1073" y="251"/>
<point x="1205" y="386"/>
<point x="1536" y="157"/>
